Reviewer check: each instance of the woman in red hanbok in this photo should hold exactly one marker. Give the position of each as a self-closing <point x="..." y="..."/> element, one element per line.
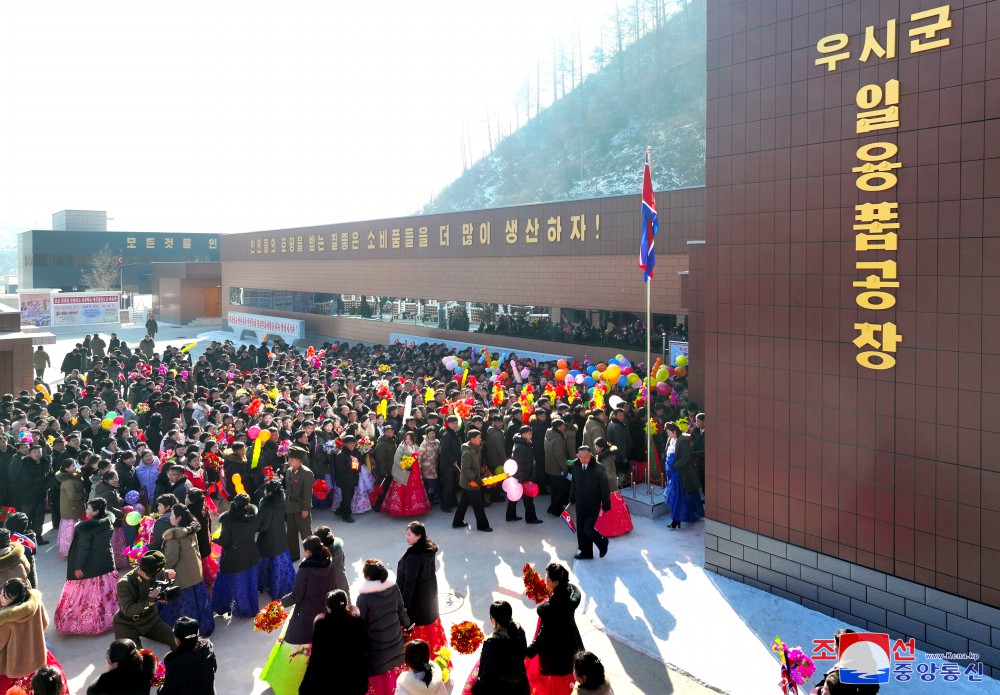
<point x="618" y="521"/>
<point x="406" y="496"/>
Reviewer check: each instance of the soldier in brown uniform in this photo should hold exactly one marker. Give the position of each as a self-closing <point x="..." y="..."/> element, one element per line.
<point x="298" y="497"/>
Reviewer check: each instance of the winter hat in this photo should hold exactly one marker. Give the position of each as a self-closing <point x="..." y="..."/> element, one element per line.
<point x="152" y="562"/>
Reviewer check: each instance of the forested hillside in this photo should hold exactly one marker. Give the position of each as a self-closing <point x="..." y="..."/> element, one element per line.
<point x="590" y="143"/>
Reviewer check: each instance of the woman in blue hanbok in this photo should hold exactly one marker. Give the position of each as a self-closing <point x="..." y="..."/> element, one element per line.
<point x="681" y="494"/>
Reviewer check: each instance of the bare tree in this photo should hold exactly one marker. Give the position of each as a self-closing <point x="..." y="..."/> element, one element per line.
<point x="102" y="274"/>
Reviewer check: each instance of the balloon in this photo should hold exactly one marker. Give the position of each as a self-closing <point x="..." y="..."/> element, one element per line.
<point x="589" y="381"/>
<point x="662" y="374"/>
<point x="597" y="376"/>
<point x="508" y="484"/>
<point x="681" y="371"/>
<point x="530" y="489"/>
<point x="623" y="380"/>
<point x="126" y="509"/>
<point x="601" y="367"/>
<point x="498" y="470"/>
<point x="133" y="518"/>
<point x="253" y="432"/>
<point x="495" y="364"/>
<point x="514" y="494"/>
<point x="612" y="373"/>
<point x="458" y="370"/>
<point x="580" y="378"/>
<point x="681" y="361"/>
<point x="264" y="436"/>
<point x="139" y="508"/>
<point x="119" y="420"/>
<point x="238" y="486"/>
<point x="624" y="363"/>
<point x="107" y="422"/>
<point x="633" y="379"/>
<point x="560" y="375"/>
<point x="510" y="467"/>
<point x="663" y="388"/>
<point x="132" y="496"/>
<point x="574" y="372"/>
<point x="562" y="364"/>
<point x="619" y="357"/>
<point x="613" y="361"/>
<point x="569" y="380"/>
<point x="445" y="360"/>
<point x="525" y="372"/>
<point x="465" y="364"/>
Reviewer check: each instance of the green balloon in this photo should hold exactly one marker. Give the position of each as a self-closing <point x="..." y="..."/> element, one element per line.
<point x="133" y="518"/>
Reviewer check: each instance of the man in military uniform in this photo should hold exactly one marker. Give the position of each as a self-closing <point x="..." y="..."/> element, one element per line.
<point x="298" y="495"/>
<point x="137" y="616"/>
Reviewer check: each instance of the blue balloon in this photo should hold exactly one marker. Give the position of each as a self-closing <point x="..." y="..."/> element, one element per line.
<point x="458" y="370"/>
<point x="623" y="380"/>
<point x="589" y="381"/>
<point x="591" y="369"/>
<point x="574" y="372"/>
<point x="590" y="392"/>
<point x="624" y="363"/>
<point x="612" y="361"/>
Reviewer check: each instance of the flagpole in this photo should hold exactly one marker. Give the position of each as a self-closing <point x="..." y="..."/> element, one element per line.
<point x="649" y="379"/>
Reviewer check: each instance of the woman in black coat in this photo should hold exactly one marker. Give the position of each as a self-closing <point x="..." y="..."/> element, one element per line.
<point x="190" y="668"/>
<point x="275" y="572"/>
<point x="340" y="648"/>
<point x="313" y="581"/>
<point x="416" y="578"/>
<point x="557" y="640"/>
<point x="89" y="601"/>
<point x="129" y="672"/>
<point x="235" y="588"/>
<point x="501" y="666"/>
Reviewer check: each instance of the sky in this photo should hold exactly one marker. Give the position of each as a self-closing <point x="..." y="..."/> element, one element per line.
<point x="228" y="116"/>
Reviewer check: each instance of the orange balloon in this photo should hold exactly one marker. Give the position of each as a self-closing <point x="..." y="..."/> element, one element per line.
<point x="601" y="367"/>
<point x="263" y="436"/>
<point x="561" y="374"/>
<point x="680" y="371"/>
<point x="562" y="365"/>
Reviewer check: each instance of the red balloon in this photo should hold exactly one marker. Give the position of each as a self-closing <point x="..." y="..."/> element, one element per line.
<point x="663" y="388"/>
<point x="530" y="489"/>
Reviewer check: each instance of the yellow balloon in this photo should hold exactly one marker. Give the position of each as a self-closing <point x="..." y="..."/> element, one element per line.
<point x="263" y="436"/>
<point x="682" y="360"/>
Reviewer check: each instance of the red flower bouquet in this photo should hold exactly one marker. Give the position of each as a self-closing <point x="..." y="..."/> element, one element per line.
<point x="466" y="637"/>
<point x="270" y="617"/>
<point x="321" y="490"/>
<point x="534" y="585"/>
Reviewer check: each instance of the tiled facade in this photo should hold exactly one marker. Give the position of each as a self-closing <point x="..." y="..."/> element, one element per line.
<point x="603" y="274"/>
<point x="894" y="471"/>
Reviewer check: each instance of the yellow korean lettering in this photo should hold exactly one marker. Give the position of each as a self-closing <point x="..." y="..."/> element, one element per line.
<point x="941" y="17"/>
<point x="829" y="45"/>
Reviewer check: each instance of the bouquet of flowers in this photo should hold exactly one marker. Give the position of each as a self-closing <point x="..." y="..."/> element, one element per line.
<point x="498" y="395"/>
<point x="212" y="462"/>
<point x="364" y="445"/>
<point x="527" y="400"/>
<point x="6" y="512"/>
<point x="407" y="462"/>
<point x="443" y="660"/>
<point x="383" y="368"/>
<point x="534" y="585"/>
<point x="466" y="637"/>
<point x="159" y="671"/>
<point x="268" y="472"/>
<point x="653" y="427"/>
<point x="320" y="489"/>
<point x="330" y="446"/>
<point x="797" y="667"/>
<point x="141" y="409"/>
<point x="270" y="617"/>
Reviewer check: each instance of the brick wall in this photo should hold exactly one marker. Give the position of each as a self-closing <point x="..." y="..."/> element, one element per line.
<point x="862" y="597"/>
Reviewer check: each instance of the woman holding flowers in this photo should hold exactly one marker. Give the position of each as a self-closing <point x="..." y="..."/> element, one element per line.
<point x="285" y="670"/>
<point x="557" y="639"/>
<point x="406" y="496"/>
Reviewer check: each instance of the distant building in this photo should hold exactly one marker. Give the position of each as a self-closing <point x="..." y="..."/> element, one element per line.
<point x="57" y="258"/>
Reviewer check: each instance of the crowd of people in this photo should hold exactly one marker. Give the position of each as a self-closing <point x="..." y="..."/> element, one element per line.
<point x="231" y="453"/>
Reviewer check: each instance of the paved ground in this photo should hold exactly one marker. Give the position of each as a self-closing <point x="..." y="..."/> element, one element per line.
<point x="477" y="568"/>
<point x="660" y="623"/>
